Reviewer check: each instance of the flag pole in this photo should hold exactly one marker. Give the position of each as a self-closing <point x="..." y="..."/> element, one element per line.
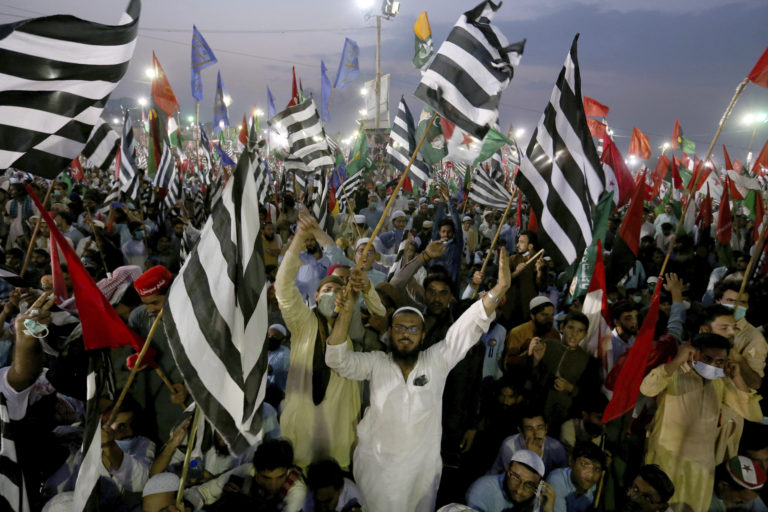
<point x="97" y="241"/>
<point x="135" y="369"/>
<point x="496" y="236"/>
<point x="753" y="259"/>
<point x="692" y="193"/>
<point x="187" y="457"/>
<point x="392" y="198"/>
<point x="31" y="245"/>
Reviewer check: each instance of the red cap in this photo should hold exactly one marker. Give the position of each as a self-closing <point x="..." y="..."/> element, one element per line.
<point x="153" y="281"/>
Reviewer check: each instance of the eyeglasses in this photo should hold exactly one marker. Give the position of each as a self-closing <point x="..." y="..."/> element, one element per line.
<point x="646" y="497"/>
<point x="529" y="486"/>
<point x="412" y="329"/>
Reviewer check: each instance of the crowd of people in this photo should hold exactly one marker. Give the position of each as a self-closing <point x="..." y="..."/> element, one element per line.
<point x="403" y="373"/>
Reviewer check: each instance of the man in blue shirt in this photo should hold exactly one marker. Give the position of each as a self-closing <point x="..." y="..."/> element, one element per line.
<point x="314" y="267"/>
<point x="575" y="486"/>
<point x="522" y="486"/>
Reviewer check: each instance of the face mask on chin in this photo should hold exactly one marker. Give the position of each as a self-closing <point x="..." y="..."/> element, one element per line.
<point x="707" y="371"/>
<point x="326" y="303"/>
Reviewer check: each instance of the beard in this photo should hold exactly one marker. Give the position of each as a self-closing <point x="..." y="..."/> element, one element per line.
<point x="269" y="237"/>
<point x="405" y="356"/>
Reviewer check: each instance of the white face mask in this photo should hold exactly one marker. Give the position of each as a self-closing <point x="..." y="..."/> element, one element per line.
<point x="326" y="303"/>
<point x="707" y="371"/>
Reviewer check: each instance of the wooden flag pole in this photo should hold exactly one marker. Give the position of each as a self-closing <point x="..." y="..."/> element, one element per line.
<point x="134" y="370"/>
<point x="97" y="241"/>
<point x="496" y="236"/>
<point x="31" y="245"/>
<point x="187" y="457"/>
<point x="392" y="200"/>
<point x="752" y="260"/>
<point x="692" y="193"/>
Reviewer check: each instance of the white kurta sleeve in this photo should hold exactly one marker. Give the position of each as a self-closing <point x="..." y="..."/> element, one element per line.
<point x="352" y="365"/>
<point x="464" y="333"/>
<point x="133" y="473"/>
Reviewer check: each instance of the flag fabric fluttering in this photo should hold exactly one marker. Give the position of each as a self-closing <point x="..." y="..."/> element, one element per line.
<point x="59" y="72"/>
<point x="215" y="314"/>
<point x="423" y="48"/>
<point x="165" y="169"/>
<point x="349" y="66"/>
<point x="271" y="110"/>
<point x="759" y="73"/>
<point x="295" y="97"/>
<point x="325" y="94"/>
<point x="561" y="175"/>
<point x="306" y="137"/>
<point x="594" y="108"/>
<point x="225" y="158"/>
<point x="639" y="145"/>
<point x="102" y="145"/>
<point x="14" y="496"/>
<point x="202" y="57"/>
<point x="434" y="148"/>
<point x="631" y="374"/>
<point x="724" y="221"/>
<point x="161" y="89"/>
<point x="175" y="189"/>
<point x="596" y="308"/>
<point x="617" y="176"/>
<point x="487" y="187"/>
<point x="220" y="114"/>
<point x="129" y="175"/>
<point x="358" y="160"/>
<point x="473" y="66"/>
<point x="402" y="144"/>
<point x="596" y="128"/>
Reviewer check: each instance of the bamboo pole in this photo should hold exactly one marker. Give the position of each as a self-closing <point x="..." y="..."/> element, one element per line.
<point x="135" y="369"/>
<point x="31" y="245"/>
<point x="498" y="232"/>
<point x="391" y="201"/>
<point x="692" y="193"/>
<point x="187" y="457"/>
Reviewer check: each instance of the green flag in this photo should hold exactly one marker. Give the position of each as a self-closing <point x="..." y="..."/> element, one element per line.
<point x="359" y="157"/>
<point x="174" y="136"/>
<point x="687" y="146"/>
<point x="585" y="266"/>
<point x="423" y="48"/>
<point x="492" y="144"/>
<point x="749" y="202"/>
<point x="434" y="148"/>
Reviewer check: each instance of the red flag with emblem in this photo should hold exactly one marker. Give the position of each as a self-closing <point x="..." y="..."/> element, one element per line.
<point x="77" y="169"/>
<point x="161" y="89"/>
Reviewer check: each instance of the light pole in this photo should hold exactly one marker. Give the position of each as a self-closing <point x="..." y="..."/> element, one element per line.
<point x="756" y="120"/>
<point x="389" y="9"/>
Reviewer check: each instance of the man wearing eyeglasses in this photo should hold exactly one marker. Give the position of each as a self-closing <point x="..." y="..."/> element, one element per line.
<point x="397" y="463"/>
<point x="650" y="491"/>
<point x="521" y="486"/>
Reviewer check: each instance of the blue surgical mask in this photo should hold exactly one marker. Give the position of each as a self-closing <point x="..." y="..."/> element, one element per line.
<point x="126" y="444"/>
<point x="739" y="313"/>
<point x="707" y="371"/>
<point x="139" y="235"/>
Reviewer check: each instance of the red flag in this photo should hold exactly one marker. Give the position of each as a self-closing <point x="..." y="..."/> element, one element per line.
<point x="519" y="214"/>
<point x="117" y="162"/>
<point x="675" y="135"/>
<point x="639" y="145"/>
<point x="596" y="128"/>
<point x="243" y="136"/>
<point x="102" y="327"/>
<point x="659" y="173"/>
<point x="727" y="158"/>
<point x="761" y="164"/>
<point x="161" y="89"/>
<point x="294" y="91"/>
<point x="57" y="275"/>
<point x="677" y="181"/>
<point x="733" y="190"/>
<point x="631" y="374"/>
<point x="597" y="289"/>
<point x="759" y="214"/>
<point x="737" y="166"/>
<point x="633" y="219"/>
<point x="759" y="73"/>
<point x="724" y="222"/>
<point x="407" y="185"/>
<point x="704" y="217"/>
<point x="533" y="224"/>
<point x="77" y="169"/>
<point x="595" y="108"/>
<point x="332" y="198"/>
<point x="612" y="158"/>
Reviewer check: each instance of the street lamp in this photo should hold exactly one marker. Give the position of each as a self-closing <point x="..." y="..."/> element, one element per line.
<point x="150" y="72"/>
<point x="519" y="132"/>
<point x="142" y="102"/>
<point x="754" y="119"/>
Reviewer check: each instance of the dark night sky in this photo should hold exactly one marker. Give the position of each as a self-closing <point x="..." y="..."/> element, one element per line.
<point x="649" y="60"/>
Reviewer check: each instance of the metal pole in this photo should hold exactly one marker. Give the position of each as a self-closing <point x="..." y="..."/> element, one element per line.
<point x="378" y="71"/>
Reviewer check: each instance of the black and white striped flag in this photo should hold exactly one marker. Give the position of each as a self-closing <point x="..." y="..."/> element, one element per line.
<point x="487" y="188"/>
<point x="165" y="168"/>
<point x="560" y="169"/>
<point x="86" y="496"/>
<point x="175" y="190"/>
<point x="58" y="72"/>
<point x="128" y="172"/>
<point x="319" y="199"/>
<point x="101" y="147"/>
<point x="14" y="495"/>
<point x="215" y="315"/>
<point x="348" y="188"/>
<point x="470" y="70"/>
<point x="306" y="136"/>
<point x="402" y="143"/>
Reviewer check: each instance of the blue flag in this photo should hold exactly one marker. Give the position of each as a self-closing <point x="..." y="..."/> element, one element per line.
<point x="220" y="117"/>
<point x="271" y="110"/>
<point x="202" y="57"/>
<point x="204" y="139"/>
<point x="348" y="67"/>
<point x="325" y="94"/>
<point x="225" y="160"/>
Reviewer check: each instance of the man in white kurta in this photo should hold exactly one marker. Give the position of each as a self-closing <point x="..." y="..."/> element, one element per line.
<point x="397" y="461"/>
